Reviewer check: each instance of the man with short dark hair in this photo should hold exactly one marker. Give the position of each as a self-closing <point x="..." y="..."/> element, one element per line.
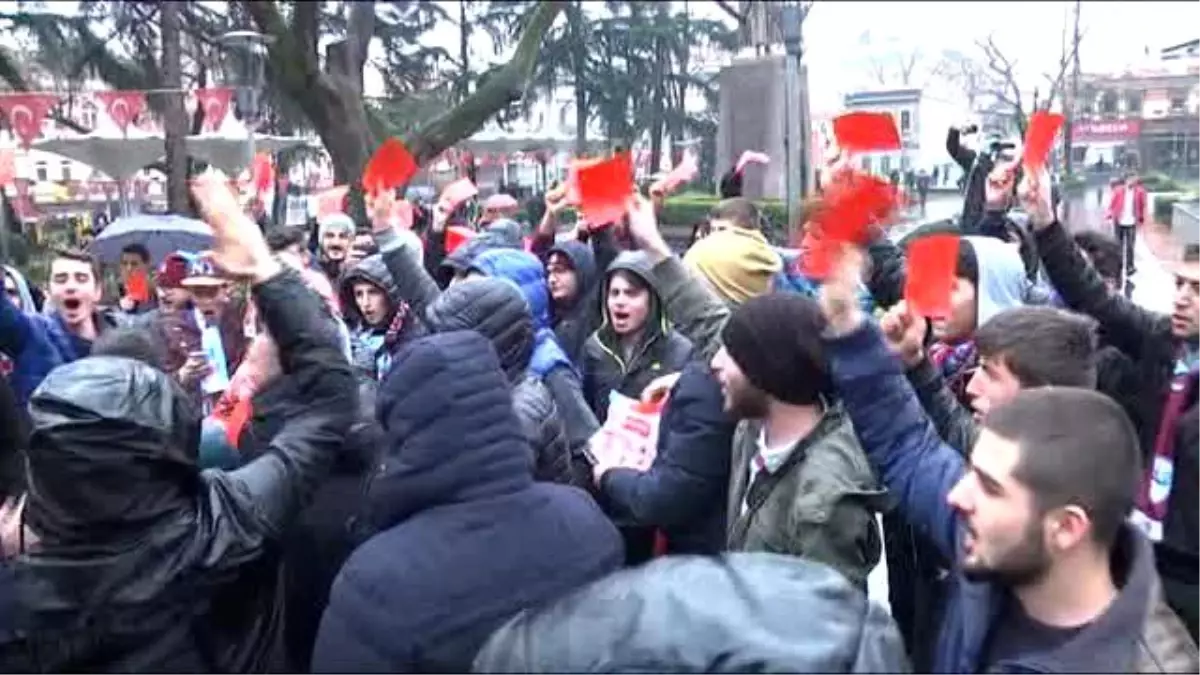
<point x="135" y="259"/>
<point x="1049" y="577"/>
<point x="1018" y="348"/>
<point x="734" y="212"/>
<point x="40" y="342"/>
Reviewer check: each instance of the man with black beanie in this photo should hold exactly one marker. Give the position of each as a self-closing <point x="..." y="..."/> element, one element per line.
<point x="800" y="483"/>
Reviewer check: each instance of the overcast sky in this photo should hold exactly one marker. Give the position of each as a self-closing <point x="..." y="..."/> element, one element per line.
<point x="1117" y="35"/>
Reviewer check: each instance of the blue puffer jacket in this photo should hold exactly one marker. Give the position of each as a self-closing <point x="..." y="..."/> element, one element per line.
<point x="39" y="343"/>
<point x="526" y="271"/>
<point x="791" y="279"/>
<point x="464" y="537"/>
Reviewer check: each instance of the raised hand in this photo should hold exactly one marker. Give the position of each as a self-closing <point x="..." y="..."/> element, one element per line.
<point x="239" y="250"/>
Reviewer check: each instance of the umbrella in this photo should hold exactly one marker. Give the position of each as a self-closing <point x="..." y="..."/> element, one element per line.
<point x="161" y="235"/>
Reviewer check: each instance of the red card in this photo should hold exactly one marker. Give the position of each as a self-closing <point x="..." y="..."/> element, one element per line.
<point x="605" y="188"/>
<point x="457" y="235"/>
<point x="932" y="268"/>
<point x="137" y="286"/>
<point x="332" y="201"/>
<point x="235" y="417"/>
<point x="1039" y="138"/>
<point x="866" y="132"/>
<point x="684" y="172"/>
<point x="390" y="167"/>
<point x="457" y="192"/>
<point x="852" y="205"/>
<point x="262" y="172"/>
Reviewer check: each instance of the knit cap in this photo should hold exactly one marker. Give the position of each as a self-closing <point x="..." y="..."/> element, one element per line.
<point x="775" y="339"/>
<point x="738" y="264"/>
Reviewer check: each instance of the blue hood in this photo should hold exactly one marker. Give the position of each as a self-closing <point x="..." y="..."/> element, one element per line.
<point x="524" y="270"/>
<point x="452" y="438"/>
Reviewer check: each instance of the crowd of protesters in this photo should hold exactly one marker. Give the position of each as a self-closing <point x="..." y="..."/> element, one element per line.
<point x="418" y="488"/>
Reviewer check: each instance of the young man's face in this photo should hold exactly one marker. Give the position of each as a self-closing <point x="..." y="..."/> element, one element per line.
<point x="1185" y="316"/>
<point x="132" y="262"/>
<point x="742" y="399"/>
<point x="960" y="324"/>
<point x="561" y="278"/>
<point x="336" y="243"/>
<point x="372" y="303"/>
<point x="210" y="299"/>
<point x="991" y="385"/>
<point x="173" y="298"/>
<point x="74" y="289"/>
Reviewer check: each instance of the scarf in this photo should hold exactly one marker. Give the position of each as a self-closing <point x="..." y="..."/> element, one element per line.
<point x="1159" y="479"/>
<point x="956" y="364"/>
<point x="383" y="345"/>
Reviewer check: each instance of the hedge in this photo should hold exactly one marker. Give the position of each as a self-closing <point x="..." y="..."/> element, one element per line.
<point x="1164" y="206"/>
<point x="686" y="210"/>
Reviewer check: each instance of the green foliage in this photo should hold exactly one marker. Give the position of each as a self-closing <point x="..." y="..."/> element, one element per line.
<point x="1161" y="182"/>
<point x="688" y="209"/>
<point x="1164" y="206"/>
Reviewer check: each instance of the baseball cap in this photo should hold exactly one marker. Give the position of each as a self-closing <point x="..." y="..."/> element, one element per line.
<point x="201" y="273"/>
<point x="171" y="271"/>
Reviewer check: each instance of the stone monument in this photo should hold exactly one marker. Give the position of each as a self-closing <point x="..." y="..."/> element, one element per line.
<point x="752" y="117"/>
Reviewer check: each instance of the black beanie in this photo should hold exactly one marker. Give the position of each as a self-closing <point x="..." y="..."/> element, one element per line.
<point x="775" y="339"/>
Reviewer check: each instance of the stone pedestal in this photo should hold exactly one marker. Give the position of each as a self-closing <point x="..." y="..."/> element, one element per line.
<point x="753" y="117"/>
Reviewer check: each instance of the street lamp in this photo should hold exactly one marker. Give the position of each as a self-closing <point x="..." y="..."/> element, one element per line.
<point x="244" y="62"/>
<point x="791" y="20"/>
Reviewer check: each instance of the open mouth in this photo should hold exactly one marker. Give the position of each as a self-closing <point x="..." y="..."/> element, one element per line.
<point x="620" y="317"/>
<point x="71" y="304"/>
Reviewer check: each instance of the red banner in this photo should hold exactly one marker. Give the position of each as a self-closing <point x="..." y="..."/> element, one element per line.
<point x="123" y="107"/>
<point x="215" y="104"/>
<point x="25" y="113"/>
<point x="1100" y="131"/>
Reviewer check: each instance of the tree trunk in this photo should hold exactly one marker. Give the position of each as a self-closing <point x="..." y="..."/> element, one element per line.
<point x="332" y="99"/>
<point x="579" y="76"/>
<point x="463" y="85"/>
<point x="659" y="88"/>
<point x="175" y="116"/>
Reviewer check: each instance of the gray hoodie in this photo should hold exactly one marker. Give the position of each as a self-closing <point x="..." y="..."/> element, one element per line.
<point x="27" y="304"/>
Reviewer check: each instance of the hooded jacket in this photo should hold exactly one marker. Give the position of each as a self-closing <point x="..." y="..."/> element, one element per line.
<point x="146" y="563"/>
<point x="501" y="234"/>
<point x="495" y="309"/>
<point x="22" y="284"/>
<point x="661" y="350"/>
<point x="464" y="537"/>
<point x="371" y="347"/>
<point x="733" y="614"/>
<point x="1136" y="633"/>
<point x="576" y="320"/>
<point x="38" y="343"/>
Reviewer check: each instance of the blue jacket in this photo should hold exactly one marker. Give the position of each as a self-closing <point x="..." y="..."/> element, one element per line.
<point x="685" y="490"/>
<point x="464" y="537"/>
<point x="526" y="271"/>
<point x="919" y="470"/>
<point x="790" y="279"/>
<point x="39" y="343"/>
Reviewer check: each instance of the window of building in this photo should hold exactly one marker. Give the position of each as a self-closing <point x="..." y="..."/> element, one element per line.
<point x="1178" y="98"/>
<point x="1133" y="103"/>
<point x="42" y="172"/>
<point x="1109" y="103"/>
<point x="905" y="121"/>
<point x="87" y="115"/>
<point x="885" y="165"/>
<point x="563" y="116"/>
<point x="866" y="164"/>
<point x="66" y="170"/>
<point x="905" y="164"/>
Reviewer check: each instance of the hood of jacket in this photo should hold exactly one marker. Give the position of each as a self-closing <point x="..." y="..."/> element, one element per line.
<point x="495" y="309"/>
<point x="463" y="256"/>
<point x="27" y="304"/>
<point x="373" y="271"/>
<point x="729" y="614"/>
<point x="450" y="434"/>
<point x="583" y="261"/>
<point x="1003" y="283"/>
<point x="524" y="270"/>
<point x="638" y="264"/>
<point x="506" y="230"/>
<point x="114" y="448"/>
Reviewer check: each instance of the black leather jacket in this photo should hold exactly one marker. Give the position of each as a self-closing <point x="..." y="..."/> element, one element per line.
<point x="146" y="563"/>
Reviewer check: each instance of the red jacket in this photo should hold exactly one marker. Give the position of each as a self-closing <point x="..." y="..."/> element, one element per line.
<point x="1117" y="203"/>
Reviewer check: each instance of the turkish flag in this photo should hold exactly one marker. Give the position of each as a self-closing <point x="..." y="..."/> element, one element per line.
<point x="123" y="107"/>
<point x="25" y="113"/>
<point x="215" y="104"/>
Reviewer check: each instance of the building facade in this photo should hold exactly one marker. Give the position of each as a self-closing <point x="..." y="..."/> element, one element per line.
<point x="923" y="119"/>
<point x="1148" y="119"/>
